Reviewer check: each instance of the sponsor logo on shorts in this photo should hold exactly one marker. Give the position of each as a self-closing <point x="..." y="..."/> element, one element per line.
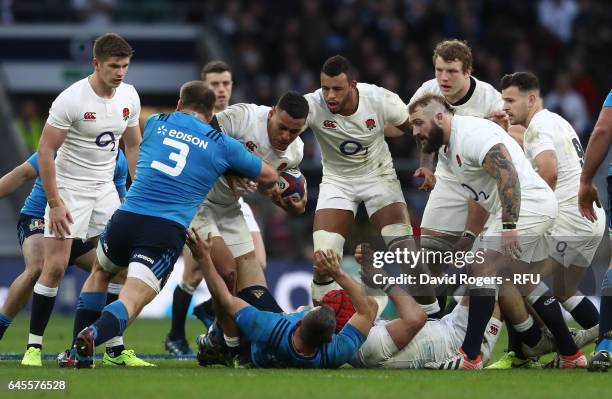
<point x="89" y="116"/>
<point x="327" y="124"/>
<point x="37" y="224"/>
<point x="257" y="293"/>
<point x="493" y="329"/>
<point x="144" y="257"/>
<point x="126" y="114"/>
<point x="370" y="124"/>
<point x="549" y="301"/>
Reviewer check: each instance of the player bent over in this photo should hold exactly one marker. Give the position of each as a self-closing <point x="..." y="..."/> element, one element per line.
<point x="272" y="134"/>
<point x="553" y="148"/>
<point x="492" y="167"/>
<point x="596" y="152"/>
<point x="181" y="158"/>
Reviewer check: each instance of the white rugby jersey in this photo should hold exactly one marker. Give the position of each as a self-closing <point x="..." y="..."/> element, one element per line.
<point x="94" y="126"/>
<point x="481" y="102"/>
<point x="470" y="140"/>
<point x="549" y="131"/>
<point x="248" y="123"/>
<point x="354" y="145"/>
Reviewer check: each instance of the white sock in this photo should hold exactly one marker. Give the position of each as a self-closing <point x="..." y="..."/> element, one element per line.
<point x="231" y="342"/>
<point x="44" y="290"/>
<point x="35" y="339"/>
<point x="115" y="341"/>
<point x="524" y="326"/>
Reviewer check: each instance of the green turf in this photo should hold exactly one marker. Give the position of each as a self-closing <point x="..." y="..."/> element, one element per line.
<point x="185" y="378"/>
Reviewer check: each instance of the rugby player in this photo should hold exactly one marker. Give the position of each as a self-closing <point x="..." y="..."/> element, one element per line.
<point x="302" y="340"/>
<point x="218" y="76"/>
<point x="553" y="148"/>
<point x="86" y="122"/>
<point x="182" y="156"/>
<point x="348" y="121"/>
<point x="596" y="152"/>
<point x="489" y="164"/>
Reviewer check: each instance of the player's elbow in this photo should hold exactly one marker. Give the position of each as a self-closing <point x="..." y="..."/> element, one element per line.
<point x="602" y="130"/>
<point x="416" y="318"/>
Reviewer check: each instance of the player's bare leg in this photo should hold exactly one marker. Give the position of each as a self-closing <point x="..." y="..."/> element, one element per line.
<point x="330" y="229"/>
<point x="260" y="249"/>
<point x="566" y="282"/>
<point x="393" y="222"/>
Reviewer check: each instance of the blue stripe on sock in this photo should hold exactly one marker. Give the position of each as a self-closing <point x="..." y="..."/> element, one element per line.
<point x="120" y="312"/>
<point x="92" y="301"/>
<point x="5" y="320"/>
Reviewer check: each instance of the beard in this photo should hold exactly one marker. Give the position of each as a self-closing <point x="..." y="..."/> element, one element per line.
<point x="434" y="141"/>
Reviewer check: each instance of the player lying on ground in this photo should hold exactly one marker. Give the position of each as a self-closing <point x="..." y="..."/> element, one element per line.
<point x="302" y="340"/>
<point x="181" y="158"/>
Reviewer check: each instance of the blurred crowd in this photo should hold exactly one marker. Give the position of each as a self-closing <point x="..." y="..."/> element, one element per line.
<point x="274" y="46"/>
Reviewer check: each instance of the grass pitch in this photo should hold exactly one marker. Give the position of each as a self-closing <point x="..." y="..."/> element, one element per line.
<point x="185" y="379"/>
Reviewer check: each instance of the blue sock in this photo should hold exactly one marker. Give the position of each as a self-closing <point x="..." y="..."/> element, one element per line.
<point x="5" y="322"/>
<point x="605" y="314"/>
<point x="112" y="322"/>
<point x="89" y="308"/>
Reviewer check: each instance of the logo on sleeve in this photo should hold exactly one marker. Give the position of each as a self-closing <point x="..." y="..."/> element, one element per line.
<point x="370" y="124"/>
<point x="89" y="116"/>
<point x="327" y="124"/>
<point x="126" y="114"/>
<point x="458" y="160"/>
<point x="282" y="166"/>
<point x="250" y="146"/>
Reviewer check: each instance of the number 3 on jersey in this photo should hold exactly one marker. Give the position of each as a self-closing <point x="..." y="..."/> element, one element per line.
<point x="180" y="158"/>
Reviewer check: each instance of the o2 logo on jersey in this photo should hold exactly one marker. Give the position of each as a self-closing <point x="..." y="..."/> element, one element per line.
<point x="351" y="147"/>
<point x="250" y="146"/>
<point x="370" y="124"/>
<point x="476" y="195"/>
<point x="105" y="139"/>
<point x="327" y="124"/>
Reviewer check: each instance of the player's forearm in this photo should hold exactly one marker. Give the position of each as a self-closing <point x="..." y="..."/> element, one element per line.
<point x="11" y="182"/>
<point x="498" y="164"/>
<point x="131" y="154"/>
<point x="477" y="217"/>
<point x="405" y="305"/>
<point x="596" y="152"/>
<point x="361" y="303"/>
<point x="426" y="160"/>
<point x="46" y="171"/>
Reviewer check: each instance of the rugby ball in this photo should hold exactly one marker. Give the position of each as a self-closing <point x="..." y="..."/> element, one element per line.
<point x="292" y="184"/>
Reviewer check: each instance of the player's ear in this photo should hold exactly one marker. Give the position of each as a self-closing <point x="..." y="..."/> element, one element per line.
<point x="272" y="112"/>
<point x="299" y="323"/>
<point x="179" y="105"/>
<point x="96" y="64"/>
